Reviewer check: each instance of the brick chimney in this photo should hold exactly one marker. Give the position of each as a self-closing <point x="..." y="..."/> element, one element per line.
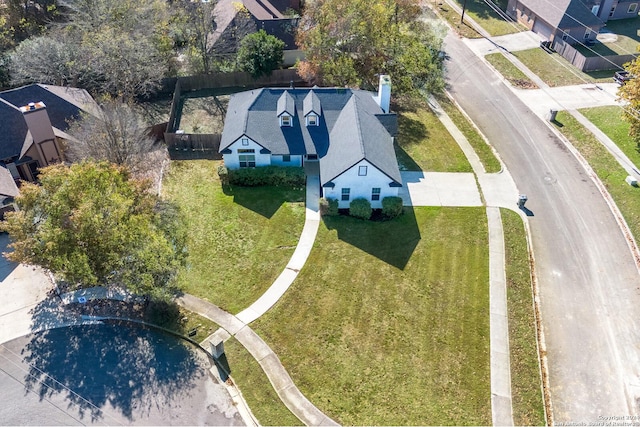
<point x="384" y="93"/>
<point x="37" y="119"/>
<point x="35" y="114"/>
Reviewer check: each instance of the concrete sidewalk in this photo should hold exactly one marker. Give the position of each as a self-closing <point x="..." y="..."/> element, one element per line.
<point x="282" y="383"/>
<point x="299" y="257"/>
<point x="499" y="190"/>
<point x="236" y="326"/>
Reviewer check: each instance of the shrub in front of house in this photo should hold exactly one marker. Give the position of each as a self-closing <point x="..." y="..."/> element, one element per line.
<point x="267" y="175"/>
<point x="329" y="207"/>
<point x="360" y="208"/>
<point x="223" y="173"/>
<point x="391" y="207"/>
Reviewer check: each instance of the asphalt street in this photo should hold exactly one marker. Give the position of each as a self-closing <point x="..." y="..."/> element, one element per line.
<point x="589" y="284"/>
<point x="109" y="375"/>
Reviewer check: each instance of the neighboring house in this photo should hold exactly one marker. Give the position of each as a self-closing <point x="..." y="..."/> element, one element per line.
<point x="568" y="20"/>
<point x="234" y="19"/>
<point x="564" y="24"/>
<point x="33" y="121"/>
<point x="613" y="9"/>
<point x="349" y="132"/>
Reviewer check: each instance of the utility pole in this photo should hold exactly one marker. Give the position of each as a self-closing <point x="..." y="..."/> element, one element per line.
<point x="464" y="7"/>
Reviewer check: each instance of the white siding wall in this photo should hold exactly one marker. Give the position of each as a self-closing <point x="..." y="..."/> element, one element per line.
<point x="232" y="161"/>
<point x="361" y="186"/>
<point x="276" y="160"/>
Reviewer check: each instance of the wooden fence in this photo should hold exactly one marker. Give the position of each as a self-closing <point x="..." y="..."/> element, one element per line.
<point x="591" y="63"/>
<point x="193" y="142"/>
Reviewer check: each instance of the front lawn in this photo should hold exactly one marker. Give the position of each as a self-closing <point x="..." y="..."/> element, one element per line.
<point x="510" y="72"/>
<point x="394" y="333"/>
<point x="264" y="402"/>
<point x="485" y="16"/>
<point x="526" y="387"/>
<point x="423" y="143"/>
<point x="554" y="70"/>
<point x="609" y="120"/>
<point x="484" y="151"/>
<point x="238" y="241"/>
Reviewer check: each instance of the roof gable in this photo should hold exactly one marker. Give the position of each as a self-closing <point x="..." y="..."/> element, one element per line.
<point x="286" y="104"/>
<point x="311" y="104"/>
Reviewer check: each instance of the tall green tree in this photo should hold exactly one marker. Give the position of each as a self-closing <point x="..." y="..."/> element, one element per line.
<point x="630" y="92"/>
<point x="260" y="54"/>
<point x="120" y="47"/>
<point x="349" y="43"/>
<point x="91" y="224"/>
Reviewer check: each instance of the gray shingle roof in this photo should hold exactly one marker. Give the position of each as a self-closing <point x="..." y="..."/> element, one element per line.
<point x="63" y="105"/>
<point x="286" y="104"/>
<point x="349" y="130"/>
<point x="563" y="13"/>
<point x="311" y="104"/>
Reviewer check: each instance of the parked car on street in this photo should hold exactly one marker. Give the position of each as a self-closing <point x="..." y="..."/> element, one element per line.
<point x="621" y="77"/>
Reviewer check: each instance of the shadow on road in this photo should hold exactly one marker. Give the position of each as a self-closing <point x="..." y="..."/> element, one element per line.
<point x="526" y="211"/>
<point x="134" y="370"/>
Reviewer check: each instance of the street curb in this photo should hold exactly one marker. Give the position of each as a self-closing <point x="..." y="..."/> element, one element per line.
<point x="541" y="344"/>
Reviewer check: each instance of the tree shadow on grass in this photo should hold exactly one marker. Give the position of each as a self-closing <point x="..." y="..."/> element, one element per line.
<point x="136" y="371"/>
<point x="263" y="200"/>
<point x="391" y="241"/>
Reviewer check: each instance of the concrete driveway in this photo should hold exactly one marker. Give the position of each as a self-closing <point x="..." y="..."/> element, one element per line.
<point x="439" y="189"/>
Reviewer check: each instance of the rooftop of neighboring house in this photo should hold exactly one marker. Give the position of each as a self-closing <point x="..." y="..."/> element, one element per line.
<point x="258" y="14"/>
<point x="62" y="104"/>
<point x="564" y="13"/>
<point x="351" y="127"/>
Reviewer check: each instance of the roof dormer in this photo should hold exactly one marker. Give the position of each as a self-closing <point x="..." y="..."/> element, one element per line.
<point x="286" y="109"/>
<point x="312" y="109"/>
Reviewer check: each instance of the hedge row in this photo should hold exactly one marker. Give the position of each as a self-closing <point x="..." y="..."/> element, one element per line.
<point x="361" y="208"/>
<point x="266" y="175"/>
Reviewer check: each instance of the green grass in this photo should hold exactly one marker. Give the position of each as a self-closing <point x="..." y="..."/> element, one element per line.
<point x="423" y="143"/>
<point x="609" y="120"/>
<point x="394" y="333"/>
<point x="526" y="391"/>
<point x="483" y="15"/>
<point x="510" y="72"/>
<point x="483" y="150"/>
<point x="256" y="388"/>
<point x="626" y="197"/>
<point x="554" y="70"/>
<point x="238" y="242"/>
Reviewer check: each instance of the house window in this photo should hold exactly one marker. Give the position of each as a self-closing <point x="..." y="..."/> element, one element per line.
<point x="345" y="194"/>
<point x="247" y="160"/>
<point x="285" y="120"/>
<point x="312" y="120"/>
<point x="246" y="150"/>
<point x="245" y="141"/>
<point x="375" y="194"/>
<point x="286" y="158"/>
<point x="633" y="7"/>
<point x="362" y="171"/>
